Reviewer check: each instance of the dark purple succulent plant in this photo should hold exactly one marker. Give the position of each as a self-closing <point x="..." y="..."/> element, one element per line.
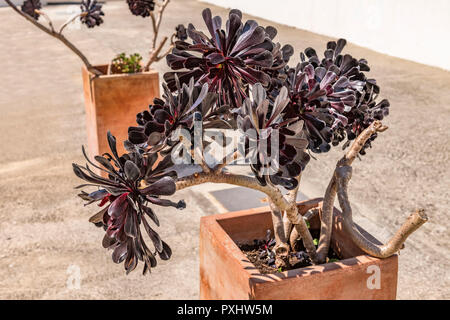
<point x="91" y="13"/>
<point x="228" y="61"/>
<point x="331" y="96"/>
<point x="141" y="7"/>
<point x="237" y="78"/>
<point x="259" y="120"/>
<point x="125" y="196"/>
<point x="30" y="6"/>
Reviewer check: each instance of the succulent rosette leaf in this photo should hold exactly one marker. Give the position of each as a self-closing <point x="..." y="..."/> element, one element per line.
<point x="228" y="60"/>
<point x="134" y="184"/>
<point x="91" y="13"/>
<point x="141" y="7"/>
<point x="281" y="56"/>
<point x="181" y="32"/>
<point x="30" y="6"/>
<point x="157" y="125"/>
<point x="266" y="126"/>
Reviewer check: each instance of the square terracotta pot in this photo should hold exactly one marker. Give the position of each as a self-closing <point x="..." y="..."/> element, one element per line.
<point x="112" y="102"/>
<point x="226" y="273"/>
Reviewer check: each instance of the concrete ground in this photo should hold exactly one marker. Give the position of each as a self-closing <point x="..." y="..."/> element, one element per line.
<point x="44" y="235"/>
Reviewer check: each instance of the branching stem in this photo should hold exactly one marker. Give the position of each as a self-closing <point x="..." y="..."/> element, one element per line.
<point x="156" y="23"/>
<point x="330" y="194"/>
<point x="414" y="221"/>
<point x="273" y="193"/>
<point x="51" y="31"/>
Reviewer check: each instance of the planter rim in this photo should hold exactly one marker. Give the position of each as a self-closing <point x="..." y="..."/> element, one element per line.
<point x="151" y="72"/>
<point x="254" y="273"/>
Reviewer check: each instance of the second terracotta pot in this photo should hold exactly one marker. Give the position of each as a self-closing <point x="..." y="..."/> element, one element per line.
<point x="112" y="102"/>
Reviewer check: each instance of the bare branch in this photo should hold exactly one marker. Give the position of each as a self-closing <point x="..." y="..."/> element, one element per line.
<point x="330" y="194"/>
<point x="155" y="31"/>
<point x="156" y="23"/>
<point x="46" y="17"/>
<point x="359" y="142"/>
<point x="414" y="221"/>
<point x="154" y="54"/>
<point x="169" y="50"/>
<point x="70" y="20"/>
<point x="58" y="36"/>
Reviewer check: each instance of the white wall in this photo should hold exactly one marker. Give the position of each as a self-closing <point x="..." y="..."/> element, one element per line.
<point x="417" y="30"/>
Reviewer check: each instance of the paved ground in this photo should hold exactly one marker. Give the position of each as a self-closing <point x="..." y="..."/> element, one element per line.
<point x="44" y="228"/>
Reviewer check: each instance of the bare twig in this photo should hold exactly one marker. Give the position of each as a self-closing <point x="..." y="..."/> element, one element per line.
<point x="70" y="20"/>
<point x="58" y="36"/>
<point x="46" y="17"/>
<point x="154" y="54"/>
<point x="169" y="50"/>
<point x="152" y="17"/>
<point x="359" y="142"/>
<point x="414" y="221"/>
<point x="156" y="23"/>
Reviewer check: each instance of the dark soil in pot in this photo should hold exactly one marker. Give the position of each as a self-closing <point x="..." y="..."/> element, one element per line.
<point x="260" y="253"/>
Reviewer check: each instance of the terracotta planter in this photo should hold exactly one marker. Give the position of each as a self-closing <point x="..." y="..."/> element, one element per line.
<point x="226" y="273"/>
<point x="112" y="102"/>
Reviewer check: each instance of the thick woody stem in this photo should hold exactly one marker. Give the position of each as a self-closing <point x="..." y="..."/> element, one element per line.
<point x="414" y="221"/>
<point x="58" y="36"/>
<point x="330" y="194"/>
<point x="274" y="194"/>
<point x="292" y="197"/>
<point x="277" y="220"/>
<point x="287" y="226"/>
<point x="327" y="221"/>
<point x="294" y="235"/>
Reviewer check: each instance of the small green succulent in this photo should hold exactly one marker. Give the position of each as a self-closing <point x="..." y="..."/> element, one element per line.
<point x="124" y="64"/>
